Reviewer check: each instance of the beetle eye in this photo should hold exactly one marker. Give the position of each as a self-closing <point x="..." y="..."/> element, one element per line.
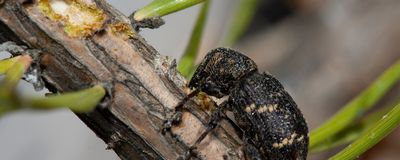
<point x="206" y="86"/>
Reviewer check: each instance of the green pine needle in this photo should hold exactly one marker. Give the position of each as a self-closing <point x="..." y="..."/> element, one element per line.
<point x="351" y="132"/>
<point x="357" y="106"/>
<point x="380" y="130"/>
<point x="187" y="63"/>
<point x="6" y="64"/>
<point x="242" y="16"/>
<point x="159" y="8"/>
<point x="79" y="101"/>
<point x="13" y="75"/>
<point x="13" y="68"/>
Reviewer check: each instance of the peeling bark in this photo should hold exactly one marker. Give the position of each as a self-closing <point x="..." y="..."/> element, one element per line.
<point x="146" y="85"/>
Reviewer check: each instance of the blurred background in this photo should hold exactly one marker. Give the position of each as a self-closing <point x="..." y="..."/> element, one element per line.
<point x="323" y="51"/>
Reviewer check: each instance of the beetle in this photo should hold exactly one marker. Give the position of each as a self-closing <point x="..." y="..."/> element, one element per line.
<point x="273" y="126"/>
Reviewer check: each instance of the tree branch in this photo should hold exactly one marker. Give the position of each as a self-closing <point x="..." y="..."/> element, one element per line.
<point x="146" y="85"/>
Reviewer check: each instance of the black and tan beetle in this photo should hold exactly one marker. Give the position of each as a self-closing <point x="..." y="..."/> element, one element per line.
<point x="273" y="126"/>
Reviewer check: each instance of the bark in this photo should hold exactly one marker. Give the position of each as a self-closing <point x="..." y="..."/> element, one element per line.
<point x="145" y="85"/>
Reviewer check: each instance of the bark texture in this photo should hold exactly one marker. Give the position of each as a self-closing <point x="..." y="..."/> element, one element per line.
<point x="145" y="85"/>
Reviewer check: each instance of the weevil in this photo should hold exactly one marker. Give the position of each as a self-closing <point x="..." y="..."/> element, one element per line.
<point x="273" y="126"/>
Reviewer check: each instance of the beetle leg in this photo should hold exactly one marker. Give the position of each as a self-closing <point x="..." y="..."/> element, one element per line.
<point x="177" y="115"/>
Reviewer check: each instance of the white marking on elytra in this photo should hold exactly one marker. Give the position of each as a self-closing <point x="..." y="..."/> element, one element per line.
<point x="290" y="141"/>
<point x="300" y="138"/>
<point x="287" y="141"/>
<point x="275" y="106"/>
<point x="293" y="135"/>
<point x="270" y="108"/>
<point x="250" y="108"/>
<point x="262" y="109"/>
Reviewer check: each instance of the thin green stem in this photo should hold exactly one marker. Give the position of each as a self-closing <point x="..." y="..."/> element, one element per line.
<point x="159" y="8"/>
<point x="13" y="73"/>
<point x="241" y="18"/>
<point x="371" y="137"/>
<point x="6" y="64"/>
<point x="79" y="101"/>
<point x="357" y="106"/>
<point x="187" y="63"/>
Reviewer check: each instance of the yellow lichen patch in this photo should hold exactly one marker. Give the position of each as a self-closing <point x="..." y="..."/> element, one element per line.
<point x="206" y="103"/>
<point x="122" y="29"/>
<point x="47" y="10"/>
<point x="79" y="19"/>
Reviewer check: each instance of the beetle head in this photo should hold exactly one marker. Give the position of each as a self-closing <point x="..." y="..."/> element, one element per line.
<point x="220" y="71"/>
